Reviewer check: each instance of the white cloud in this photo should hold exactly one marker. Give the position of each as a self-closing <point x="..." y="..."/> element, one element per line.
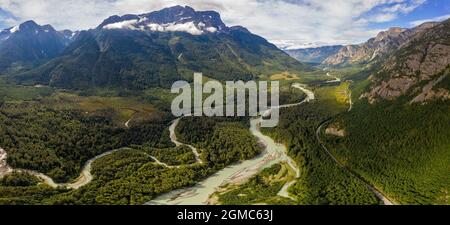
<point x="381" y="18"/>
<point x="188" y="27"/>
<point x="435" y="19"/>
<point x="135" y="24"/>
<point x="308" y="21"/>
<point x="211" y="29"/>
<point x="404" y="6"/>
<point x="184" y="27"/>
<point x="127" y="24"/>
<point x="155" y="27"/>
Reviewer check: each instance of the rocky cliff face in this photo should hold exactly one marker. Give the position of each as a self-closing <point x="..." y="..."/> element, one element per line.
<point x="417" y="68"/>
<point x="382" y="45"/>
<point x="347" y="54"/>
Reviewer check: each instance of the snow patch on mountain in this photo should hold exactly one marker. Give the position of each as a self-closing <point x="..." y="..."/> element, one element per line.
<point x="14" y="29"/>
<point x="188" y="27"/>
<point x="127" y="24"/>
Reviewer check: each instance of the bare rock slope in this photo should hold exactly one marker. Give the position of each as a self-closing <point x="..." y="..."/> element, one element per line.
<point x="419" y="68"/>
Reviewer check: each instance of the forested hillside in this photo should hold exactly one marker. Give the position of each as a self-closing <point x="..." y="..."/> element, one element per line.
<point x="223" y="141"/>
<point x="59" y="142"/>
<point x="322" y="182"/>
<point x="403" y="149"/>
<point x="57" y="133"/>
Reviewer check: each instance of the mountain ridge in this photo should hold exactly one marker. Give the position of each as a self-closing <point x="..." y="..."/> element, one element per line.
<point x="314" y="55"/>
<point x="158" y="48"/>
<point x="28" y="45"/>
<point x="376" y="48"/>
<point x="416" y="68"/>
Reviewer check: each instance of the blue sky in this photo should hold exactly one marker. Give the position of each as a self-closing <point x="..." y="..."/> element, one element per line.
<point x="428" y="11"/>
<point x="287" y="23"/>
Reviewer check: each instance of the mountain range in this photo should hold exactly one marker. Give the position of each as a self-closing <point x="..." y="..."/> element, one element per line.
<point x="314" y="55"/>
<point x="419" y="69"/>
<point x="379" y="47"/>
<point x="28" y="45"/>
<point x="153" y="50"/>
<point x="157" y="48"/>
<point x="412" y="62"/>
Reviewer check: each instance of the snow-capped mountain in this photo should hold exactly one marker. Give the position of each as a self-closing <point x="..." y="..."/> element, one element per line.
<point x="159" y="48"/>
<point x="314" y="55"/>
<point x="297" y="44"/>
<point x="175" y="19"/>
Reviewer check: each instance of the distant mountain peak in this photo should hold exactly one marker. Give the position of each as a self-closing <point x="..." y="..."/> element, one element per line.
<point x="391" y="32"/>
<point x="69" y="35"/>
<point x="29" y="44"/>
<point x="173" y="19"/>
<point x="29" y="26"/>
<point x="314" y="55"/>
<point x="240" y="28"/>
